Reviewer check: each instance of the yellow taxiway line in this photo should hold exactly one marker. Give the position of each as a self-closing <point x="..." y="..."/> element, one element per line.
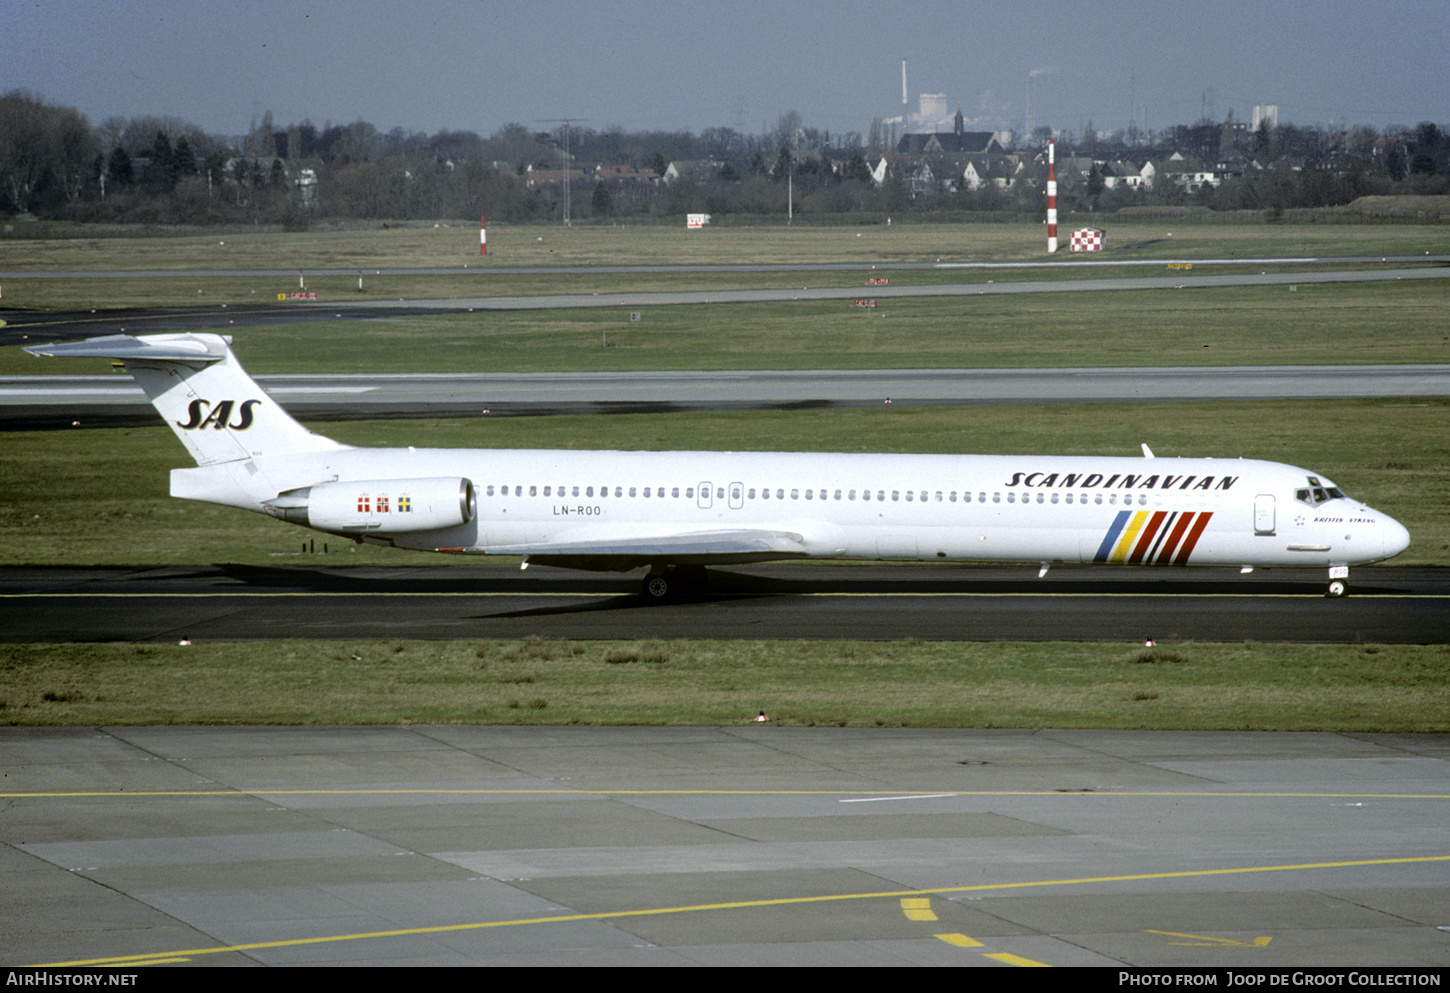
<point x="173" y="956"/>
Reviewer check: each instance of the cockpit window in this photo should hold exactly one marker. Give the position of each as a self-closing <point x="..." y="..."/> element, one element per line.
<point x="1316" y="493"/>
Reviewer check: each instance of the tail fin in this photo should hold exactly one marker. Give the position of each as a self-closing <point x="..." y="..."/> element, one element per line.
<point x="196" y="383"/>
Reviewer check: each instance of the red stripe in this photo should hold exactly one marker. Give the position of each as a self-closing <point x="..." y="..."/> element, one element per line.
<point x="1144" y="542"/>
<point x="1165" y="556"/>
<point x="1187" y="548"/>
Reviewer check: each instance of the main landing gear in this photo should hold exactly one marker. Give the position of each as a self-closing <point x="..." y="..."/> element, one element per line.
<point x="672" y="582"/>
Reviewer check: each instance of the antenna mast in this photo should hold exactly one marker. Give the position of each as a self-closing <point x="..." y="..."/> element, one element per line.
<point x="566" y="121"/>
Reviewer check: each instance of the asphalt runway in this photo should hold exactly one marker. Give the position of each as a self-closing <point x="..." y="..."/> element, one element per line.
<point x="897" y="292"/>
<point x="28" y="327"/>
<point x="753" y="846"/>
<point x="493" y="267"/>
<point x="316" y="599"/>
<point x="49" y="402"/>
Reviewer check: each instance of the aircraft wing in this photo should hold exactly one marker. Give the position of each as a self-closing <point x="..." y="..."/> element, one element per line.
<point x="683" y="548"/>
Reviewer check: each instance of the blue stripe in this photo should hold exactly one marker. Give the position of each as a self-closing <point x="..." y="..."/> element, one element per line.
<point x="1107" y="546"/>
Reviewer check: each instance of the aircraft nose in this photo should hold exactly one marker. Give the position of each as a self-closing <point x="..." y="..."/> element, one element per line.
<point x="1394" y="536"/>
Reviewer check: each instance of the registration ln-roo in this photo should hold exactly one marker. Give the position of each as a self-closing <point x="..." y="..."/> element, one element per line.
<point x="673" y="513"/>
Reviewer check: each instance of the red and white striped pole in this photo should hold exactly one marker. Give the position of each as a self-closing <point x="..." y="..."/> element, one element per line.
<point x="483" y="236"/>
<point x="1051" y="199"/>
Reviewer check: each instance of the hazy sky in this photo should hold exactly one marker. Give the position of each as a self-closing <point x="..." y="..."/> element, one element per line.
<point x="479" y="64"/>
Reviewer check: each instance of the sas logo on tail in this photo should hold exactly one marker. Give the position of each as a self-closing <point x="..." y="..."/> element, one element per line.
<point x="219" y="416"/>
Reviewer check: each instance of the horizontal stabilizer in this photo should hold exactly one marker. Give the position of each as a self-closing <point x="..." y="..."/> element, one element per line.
<point x="205" y="396"/>
<point x="168" y="348"/>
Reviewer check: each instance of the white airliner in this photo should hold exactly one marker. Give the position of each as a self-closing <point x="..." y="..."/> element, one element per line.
<point x="675" y="512"/>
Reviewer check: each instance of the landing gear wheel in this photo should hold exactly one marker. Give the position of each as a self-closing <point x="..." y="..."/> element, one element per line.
<point x="657" y="588"/>
<point x="1337" y="588"/>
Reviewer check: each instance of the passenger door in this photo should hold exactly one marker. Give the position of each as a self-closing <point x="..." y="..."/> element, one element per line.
<point x="1264" y="513"/>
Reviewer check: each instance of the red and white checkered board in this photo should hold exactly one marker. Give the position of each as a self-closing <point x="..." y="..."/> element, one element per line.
<point x="1087" y="240"/>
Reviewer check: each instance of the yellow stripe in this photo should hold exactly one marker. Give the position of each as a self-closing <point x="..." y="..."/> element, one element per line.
<point x="1011" y="959"/>
<point x="960" y="940"/>
<point x="1130" y="533"/>
<point x="917" y="909"/>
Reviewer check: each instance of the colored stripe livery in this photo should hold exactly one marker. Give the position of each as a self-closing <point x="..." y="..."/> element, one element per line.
<point x="1152" y="537"/>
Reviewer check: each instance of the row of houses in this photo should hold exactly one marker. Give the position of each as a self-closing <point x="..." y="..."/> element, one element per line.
<point x="925" y="164"/>
<point x="935" y="171"/>
<point x="934" y="168"/>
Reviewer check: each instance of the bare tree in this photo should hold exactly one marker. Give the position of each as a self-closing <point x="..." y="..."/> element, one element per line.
<point x="40" y="143"/>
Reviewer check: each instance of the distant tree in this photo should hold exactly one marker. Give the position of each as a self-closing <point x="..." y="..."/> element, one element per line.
<point x="109" y="132"/>
<point x="118" y="167"/>
<point x="1396" y="163"/>
<point x="1428" y="150"/>
<point x="183" y="159"/>
<point x="161" y="173"/>
<point x="783" y="162"/>
<point x="787" y="126"/>
<point x="71" y="151"/>
<point x="1264" y="138"/>
<point x="41" y="145"/>
<point x="858" y="169"/>
<point x="1095" y="185"/>
<point x="263" y="139"/>
<point x="723" y="143"/>
<point x="306" y="146"/>
<point x="602" y="202"/>
<point x="214" y="167"/>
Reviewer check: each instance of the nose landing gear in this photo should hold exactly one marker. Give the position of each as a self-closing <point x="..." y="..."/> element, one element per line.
<point x="1338" y="581"/>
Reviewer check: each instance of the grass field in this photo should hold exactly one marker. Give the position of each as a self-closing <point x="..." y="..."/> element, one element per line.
<point x="1336" y="324"/>
<point x="82" y="497"/>
<point x="450" y="243"/>
<point x="514" y="250"/>
<point x="897" y="684"/>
